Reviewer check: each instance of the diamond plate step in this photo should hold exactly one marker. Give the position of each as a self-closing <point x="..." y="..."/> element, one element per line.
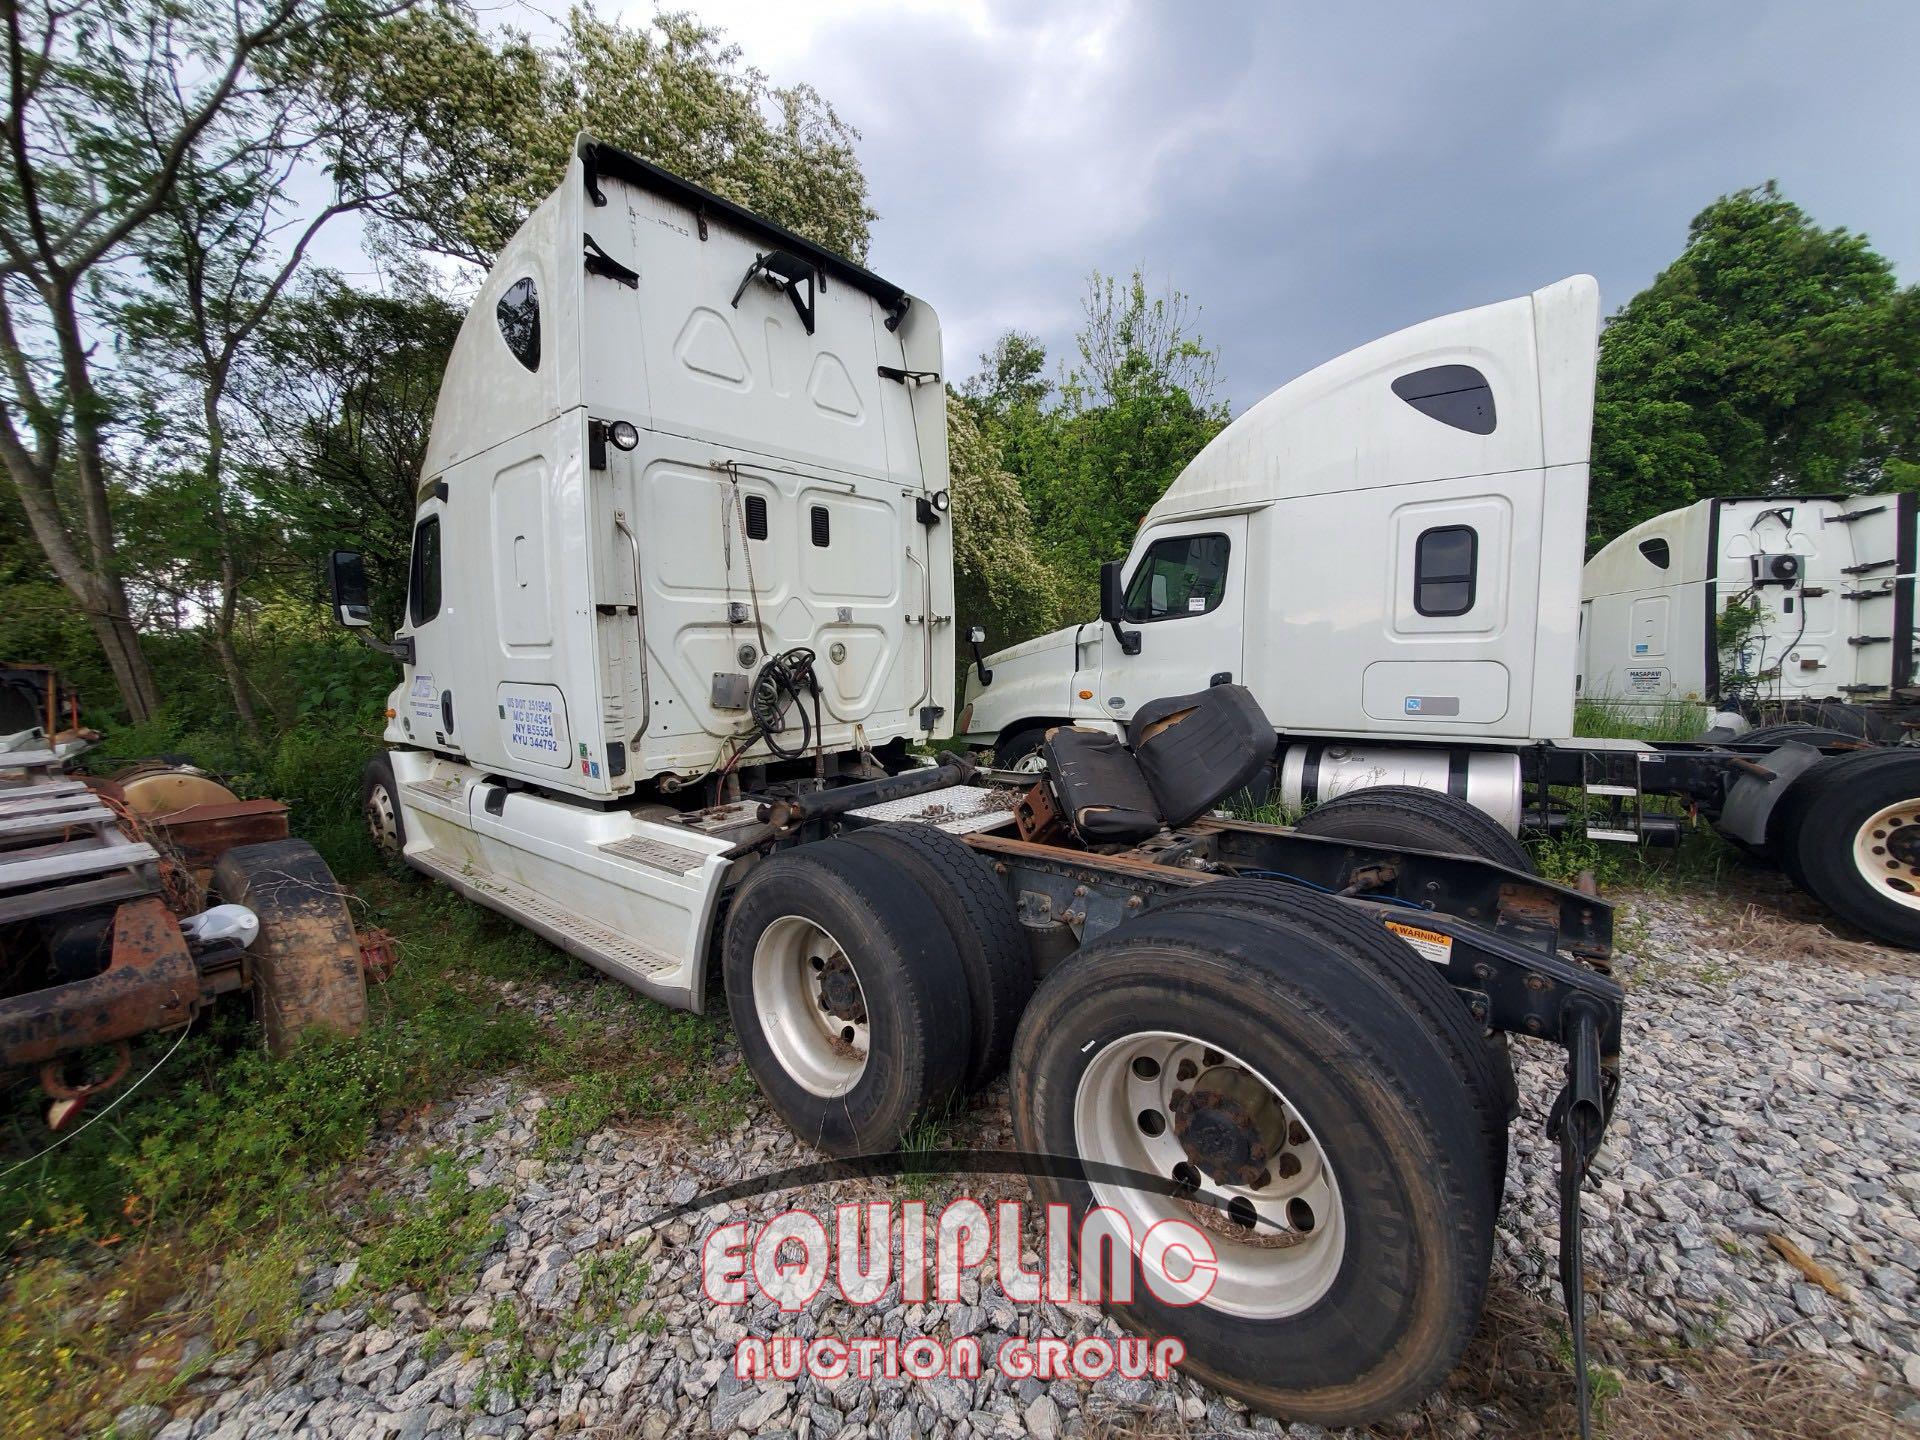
<point x="656" y="854"/>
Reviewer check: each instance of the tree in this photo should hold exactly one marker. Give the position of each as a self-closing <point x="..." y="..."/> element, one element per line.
<point x="108" y="104"/>
<point x="344" y="383"/>
<point x="1771" y="356"/>
<point x="219" y="254"/>
<point x="1130" y="415"/>
<point x="477" y="132"/>
<point x="1000" y="579"/>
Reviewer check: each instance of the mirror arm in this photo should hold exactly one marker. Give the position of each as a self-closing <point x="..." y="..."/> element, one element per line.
<point x="980" y="665"/>
<point x="1129" y="639"/>
<point x="400" y="647"/>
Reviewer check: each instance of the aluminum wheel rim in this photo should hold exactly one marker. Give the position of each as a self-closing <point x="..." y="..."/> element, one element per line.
<point x="1282" y="1262"/>
<point x="1886" y="852"/>
<point x="383" y="821"/>
<point x="812" y="1009"/>
<point x="1031" y="763"/>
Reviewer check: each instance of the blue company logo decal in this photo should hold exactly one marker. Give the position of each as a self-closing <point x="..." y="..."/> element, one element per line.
<point x="1413" y="704"/>
<point x="1640" y="649"/>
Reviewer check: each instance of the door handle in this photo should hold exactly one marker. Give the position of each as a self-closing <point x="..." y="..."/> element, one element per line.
<point x="446" y="710"/>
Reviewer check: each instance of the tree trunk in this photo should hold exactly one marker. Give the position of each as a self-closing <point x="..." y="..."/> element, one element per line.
<point x="223" y="642"/>
<point x="105" y="606"/>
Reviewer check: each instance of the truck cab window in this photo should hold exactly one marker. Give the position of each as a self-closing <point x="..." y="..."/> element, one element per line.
<point x="519" y="315"/>
<point x="423" y="579"/>
<point x="1180" y="575"/>
<point x="1444" y="565"/>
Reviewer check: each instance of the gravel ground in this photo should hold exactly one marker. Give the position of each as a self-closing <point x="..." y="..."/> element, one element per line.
<point x="1756" y="1212"/>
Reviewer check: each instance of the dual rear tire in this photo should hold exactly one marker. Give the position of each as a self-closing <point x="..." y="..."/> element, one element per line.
<point x="1276" y="1057"/>
<point x="871" y="978"/>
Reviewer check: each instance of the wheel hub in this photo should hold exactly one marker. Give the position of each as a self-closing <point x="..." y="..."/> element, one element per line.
<point x="1886" y="851"/>
<point x="1176" y="1106"/>
<point x="839" y="990"/>
<point x="1221" y="1131"/>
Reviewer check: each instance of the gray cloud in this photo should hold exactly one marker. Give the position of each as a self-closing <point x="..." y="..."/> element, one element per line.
<point x="1317" y="175"/>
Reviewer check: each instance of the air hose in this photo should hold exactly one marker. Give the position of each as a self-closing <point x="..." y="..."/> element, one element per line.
<point x="785" y="678"/>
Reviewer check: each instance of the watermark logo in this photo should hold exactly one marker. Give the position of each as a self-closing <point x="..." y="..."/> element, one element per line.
<point x="791" y="1258"/>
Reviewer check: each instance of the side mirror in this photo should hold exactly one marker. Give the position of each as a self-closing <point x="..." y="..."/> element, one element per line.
<point x="1113" y="608"/>
<point x="976" y="635"/>
<point x="352" y="607"/>
<point x="1110" y="601"/>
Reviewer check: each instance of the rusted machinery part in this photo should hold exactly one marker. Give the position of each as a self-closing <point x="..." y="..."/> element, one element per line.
<point x="199" y="835"/>
<point x="53" y="1079"/>
<point x="151" y="983"/>
<point x="155" y="787"/>
<point x="379" y="955"/>
<point x="306" y="961"/>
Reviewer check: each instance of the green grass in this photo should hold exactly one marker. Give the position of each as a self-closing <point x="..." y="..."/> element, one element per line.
<point x="1611" y="718"/>
<point x="426" y="1243"/>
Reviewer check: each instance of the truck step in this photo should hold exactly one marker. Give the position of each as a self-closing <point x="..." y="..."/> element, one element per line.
<point x="1624" y="837"/>
<point x="656" y="854"/>
<point x="618" y="955"/>
<point x="1626" y="790"/>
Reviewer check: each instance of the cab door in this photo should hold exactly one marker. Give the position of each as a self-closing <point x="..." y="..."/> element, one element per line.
<point x="1184" y="595"/>
<point x="431" y="717"/>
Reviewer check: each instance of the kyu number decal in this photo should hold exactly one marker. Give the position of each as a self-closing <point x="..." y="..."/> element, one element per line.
<point x="533" y="723"/>
<point x="530" y="724"/>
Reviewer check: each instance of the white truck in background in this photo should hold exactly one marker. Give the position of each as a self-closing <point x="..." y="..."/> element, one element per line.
<point x="1826" y="582"/>
<point x="1387" y="552"/>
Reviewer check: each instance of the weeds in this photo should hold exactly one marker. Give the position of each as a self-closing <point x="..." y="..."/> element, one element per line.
<point x="437" y="1237"/>
<point x="1611" y="717"/>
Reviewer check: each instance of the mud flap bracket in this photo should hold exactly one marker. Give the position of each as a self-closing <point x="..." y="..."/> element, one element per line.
<point x="1577" y="1121"/>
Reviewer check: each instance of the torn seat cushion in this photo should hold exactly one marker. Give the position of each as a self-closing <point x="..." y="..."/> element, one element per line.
<point x="1100" y="788"/>
<point x="1196" y="750"/>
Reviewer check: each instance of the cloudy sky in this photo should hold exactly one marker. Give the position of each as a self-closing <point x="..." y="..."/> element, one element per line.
<point x="1314" y="175"/>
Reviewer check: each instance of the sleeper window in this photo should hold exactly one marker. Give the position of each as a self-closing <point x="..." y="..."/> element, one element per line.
<point x="1456" y="395"/>
<point x="519" y="316"/>
<point x="1444" y="561"/>
<point x="1657" y="552"/>
<point x="1180" y="575"/>
<point x="423" y="583"/>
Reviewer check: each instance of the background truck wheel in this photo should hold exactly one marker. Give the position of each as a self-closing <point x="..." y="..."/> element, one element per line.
<point x="1848" y="832"/>
<point x="1424" y="819"/>
<point x="1805" y="734"/>
<point x="978" y="915"/>
<point x="1020" y="750"/>
<point x="380" y="808"/>
<point x="306" y="959"/>
<point x="1856" y="722"/>
<point x="847" y="996"/>
<point x="1187" y="1044"/>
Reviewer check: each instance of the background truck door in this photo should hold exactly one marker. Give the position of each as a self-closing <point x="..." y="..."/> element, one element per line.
<point x="1185" y="590"/>
<point x="431" y="715"/>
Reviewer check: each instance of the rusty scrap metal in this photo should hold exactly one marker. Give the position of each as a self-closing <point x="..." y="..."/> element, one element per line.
<point x="151" y="983"/>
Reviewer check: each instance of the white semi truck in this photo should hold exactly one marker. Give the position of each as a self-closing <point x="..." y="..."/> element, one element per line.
<point x="1387" y="552"/>
<point x="681" y="596"/>
<point x="1821" y="592"/>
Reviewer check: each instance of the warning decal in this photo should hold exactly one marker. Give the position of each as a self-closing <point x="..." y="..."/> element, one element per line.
<point x="1431" y="944"/>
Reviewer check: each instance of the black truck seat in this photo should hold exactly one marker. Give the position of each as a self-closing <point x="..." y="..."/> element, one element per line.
<point x="1188" y="753"/>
